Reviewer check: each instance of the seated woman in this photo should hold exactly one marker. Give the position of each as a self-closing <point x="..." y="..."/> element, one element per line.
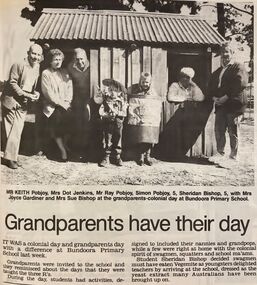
<point x="186" y="121"/>
<point x="57" y="92"/>
<point x="185" y="89"/>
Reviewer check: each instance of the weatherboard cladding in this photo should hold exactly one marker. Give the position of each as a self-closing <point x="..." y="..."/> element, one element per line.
<point x="74" y="24"/>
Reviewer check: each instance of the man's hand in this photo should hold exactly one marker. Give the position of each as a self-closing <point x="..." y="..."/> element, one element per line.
<point x="65" y="105"/>
<point x="220" y="101"/>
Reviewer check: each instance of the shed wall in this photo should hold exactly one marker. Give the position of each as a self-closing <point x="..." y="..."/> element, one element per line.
<point x="125" y="65"/>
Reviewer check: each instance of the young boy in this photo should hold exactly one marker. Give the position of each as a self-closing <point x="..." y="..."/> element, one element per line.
<point x="113" y="110"/>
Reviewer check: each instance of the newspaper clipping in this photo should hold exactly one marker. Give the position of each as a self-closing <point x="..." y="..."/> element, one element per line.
<point x="127" y="143"/>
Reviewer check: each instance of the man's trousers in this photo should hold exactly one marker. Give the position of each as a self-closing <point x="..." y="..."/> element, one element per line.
<point x="112" y="135"/>
<point x="13" y="122"/>
<point x="227" y="121"/>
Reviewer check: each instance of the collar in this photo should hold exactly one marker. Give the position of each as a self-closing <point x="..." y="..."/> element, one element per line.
<point x="144" y="90"/>
<point x="225" y="66"/>
<point x="54" y="70"/>
<point x="79" y="70"/>
<point x="182" y="87"/>
<point x="27" y="63"/>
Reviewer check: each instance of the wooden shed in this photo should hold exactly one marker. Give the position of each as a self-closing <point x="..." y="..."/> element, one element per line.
<point x="120" y="45"/>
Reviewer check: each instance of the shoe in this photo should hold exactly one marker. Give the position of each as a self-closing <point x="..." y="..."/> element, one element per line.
<point x="40" y="153"/>
<point x="217" y="157"/>
<point x="233" y="157"/>
<point x="83" y="159"/>
<point x="104" y="162"/>
<point x="12" y="164"/>
<point x="148" y="161"/>
<point x="118" y="161"/>
<point x="140" y="161"/>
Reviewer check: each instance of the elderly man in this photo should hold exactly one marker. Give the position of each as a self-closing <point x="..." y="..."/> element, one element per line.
<point x="19" y="91"/>
<point x="226" y="87"/>
<point x="79" y="72"/>
<point x="144" y="116"/>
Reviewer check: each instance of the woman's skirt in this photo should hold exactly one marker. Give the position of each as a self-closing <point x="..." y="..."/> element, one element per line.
<point x="142" y="134"/>
<point x="59" y="122"/>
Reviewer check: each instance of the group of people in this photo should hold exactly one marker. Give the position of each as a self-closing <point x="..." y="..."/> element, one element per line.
<point x="68" y="109"/>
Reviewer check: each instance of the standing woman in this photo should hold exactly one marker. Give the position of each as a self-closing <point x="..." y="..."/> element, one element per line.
<point x="57" y="92"/>
<point x="144" y="117"/>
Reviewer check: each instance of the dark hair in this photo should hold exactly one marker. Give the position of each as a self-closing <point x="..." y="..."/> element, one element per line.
<point x="52" y="53"/>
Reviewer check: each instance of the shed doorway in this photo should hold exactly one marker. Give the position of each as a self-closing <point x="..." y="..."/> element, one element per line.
<point x="196" y="61"/>
<point x="184" y="132"/>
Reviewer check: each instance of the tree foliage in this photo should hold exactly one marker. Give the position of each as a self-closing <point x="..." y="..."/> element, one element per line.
<point x="38" y="5"/>
<point x="233" y="25"/>
<point x="230" y="23"/>
<point x="168" y="6"/>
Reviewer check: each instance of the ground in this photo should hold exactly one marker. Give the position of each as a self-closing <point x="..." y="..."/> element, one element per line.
<point x="41" y="171"/>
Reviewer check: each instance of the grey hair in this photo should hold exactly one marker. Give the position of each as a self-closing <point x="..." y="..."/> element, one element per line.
<point x="78" y="50"/>
<point x="144" y="75"/>
<point x="35" y="46"/>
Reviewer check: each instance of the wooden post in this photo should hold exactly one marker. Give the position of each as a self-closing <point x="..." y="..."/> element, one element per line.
<point x="209" y="134"/>
<point x="105" y="63"/>
<point x="119" y="63"/>
<point x="160" y="71"/>
<point x="129" y="70"/>
<point x="136" y="66"/>
<point x="160" y="79"/>
<point x="94" y="70"/>
<point x="147" y="59"/>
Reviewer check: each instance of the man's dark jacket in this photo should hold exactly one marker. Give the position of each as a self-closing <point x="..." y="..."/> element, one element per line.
<point x="233" y="84"/>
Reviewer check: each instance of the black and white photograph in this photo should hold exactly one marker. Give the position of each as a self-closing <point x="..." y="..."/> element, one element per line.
<point x="127" y="142"/>
<point x="127" y="93"/>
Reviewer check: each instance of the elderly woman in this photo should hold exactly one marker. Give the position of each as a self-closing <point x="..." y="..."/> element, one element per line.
<point x="185" y="89"/>
<point x="57" y="89"/>
<point x="185" y="125"/>
<point x="144" y="116"/>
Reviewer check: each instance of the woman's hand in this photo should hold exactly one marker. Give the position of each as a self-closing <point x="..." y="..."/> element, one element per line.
<point x="32" y="96"/>
<point x="36" y="95"/>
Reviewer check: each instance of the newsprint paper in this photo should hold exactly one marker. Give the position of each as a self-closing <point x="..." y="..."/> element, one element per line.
<point x="177" y="222"/>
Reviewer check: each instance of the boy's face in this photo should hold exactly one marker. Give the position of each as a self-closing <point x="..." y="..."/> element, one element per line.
<point x="145" y="83"/>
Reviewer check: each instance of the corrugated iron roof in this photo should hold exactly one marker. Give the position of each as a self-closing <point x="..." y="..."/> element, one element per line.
<point x="96" y="25"/>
